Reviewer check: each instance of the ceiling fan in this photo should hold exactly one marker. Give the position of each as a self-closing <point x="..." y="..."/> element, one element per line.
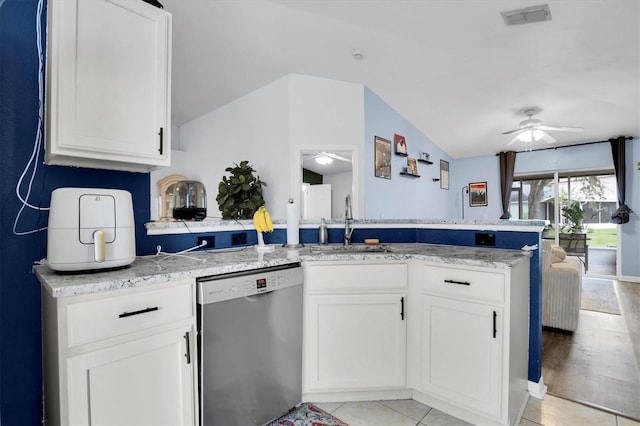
<point x="532" y="129"/>
<point x="326" y="158"/>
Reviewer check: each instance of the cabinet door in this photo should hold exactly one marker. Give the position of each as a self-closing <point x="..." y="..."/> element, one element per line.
<point x="461" y="353"/>
<point x="356" y="341"/>
<point x="147" y="381"/>
<point x="108" y="91"/>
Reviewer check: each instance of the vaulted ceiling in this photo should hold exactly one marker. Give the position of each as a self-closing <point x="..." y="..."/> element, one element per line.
<point x="451" y="67"/>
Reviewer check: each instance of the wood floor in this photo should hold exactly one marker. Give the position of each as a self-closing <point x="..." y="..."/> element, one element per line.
<point x="599" y="364"/>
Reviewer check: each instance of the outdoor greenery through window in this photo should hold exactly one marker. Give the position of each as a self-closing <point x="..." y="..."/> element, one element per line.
<point x="592" y="194"/>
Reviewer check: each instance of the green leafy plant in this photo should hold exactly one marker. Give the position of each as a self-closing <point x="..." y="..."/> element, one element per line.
<point x="240" y="194"/>
<point x="574" y="214"/>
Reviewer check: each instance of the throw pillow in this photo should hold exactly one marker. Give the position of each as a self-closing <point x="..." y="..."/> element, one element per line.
<point x="557" y="254"/>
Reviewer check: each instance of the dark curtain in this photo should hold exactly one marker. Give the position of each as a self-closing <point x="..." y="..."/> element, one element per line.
<point x="507" y="164"/>
<point x="621" y="215"/>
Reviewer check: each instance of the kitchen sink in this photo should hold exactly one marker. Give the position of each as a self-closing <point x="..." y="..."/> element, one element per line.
<point x="355" y="248"/>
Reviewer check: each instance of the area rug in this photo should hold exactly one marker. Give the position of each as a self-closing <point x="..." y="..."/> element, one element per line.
<point x="599" y="295"/>
<point x="307" y="415"/>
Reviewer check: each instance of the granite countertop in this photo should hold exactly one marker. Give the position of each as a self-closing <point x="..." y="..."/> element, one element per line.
<point x="149" y="270"/>
<point x="212" y="225"/>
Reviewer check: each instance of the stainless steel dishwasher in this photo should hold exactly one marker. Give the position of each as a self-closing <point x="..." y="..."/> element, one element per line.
<point x="250" y="345"/>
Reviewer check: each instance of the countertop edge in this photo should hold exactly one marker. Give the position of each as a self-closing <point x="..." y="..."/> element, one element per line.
<point x="152" y="270"/>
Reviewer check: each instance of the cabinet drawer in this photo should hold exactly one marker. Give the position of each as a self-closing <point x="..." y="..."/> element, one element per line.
<point x="93" y="320"/>
<point x="356" y="276"/>
<point x="471" y="284"/>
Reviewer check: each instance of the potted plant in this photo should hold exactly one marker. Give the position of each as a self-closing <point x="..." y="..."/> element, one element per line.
<point x="240" y="194"/>
<point x="574" y="215"/>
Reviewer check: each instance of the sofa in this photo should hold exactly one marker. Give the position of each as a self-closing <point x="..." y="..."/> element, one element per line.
<point x="561" y="288"/>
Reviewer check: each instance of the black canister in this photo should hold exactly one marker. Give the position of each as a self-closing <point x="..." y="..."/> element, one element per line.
<point x="189" y="200"/>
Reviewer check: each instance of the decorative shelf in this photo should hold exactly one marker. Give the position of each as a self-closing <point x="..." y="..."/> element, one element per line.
<point x="420" y="160"/>
<point x="402" y="154"/>
<point x="409" y="174"/>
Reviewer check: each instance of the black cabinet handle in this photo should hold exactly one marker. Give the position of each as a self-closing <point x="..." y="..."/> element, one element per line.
<point x="495" y="328"/>
<point x="188" y="354"/>
<point x="402" y="308"/>
<point x="161" y="150"/>
<point x="457" y="282"/>
<point x="141" y="311"/>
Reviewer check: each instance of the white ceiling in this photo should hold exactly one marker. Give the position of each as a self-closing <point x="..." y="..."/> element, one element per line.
<point x="451" y="67"/>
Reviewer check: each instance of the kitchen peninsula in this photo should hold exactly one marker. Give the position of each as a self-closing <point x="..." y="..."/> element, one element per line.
<point x="493" y="293"/>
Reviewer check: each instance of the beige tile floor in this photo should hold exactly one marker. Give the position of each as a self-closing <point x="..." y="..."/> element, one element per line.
<point x="552" y="411"/>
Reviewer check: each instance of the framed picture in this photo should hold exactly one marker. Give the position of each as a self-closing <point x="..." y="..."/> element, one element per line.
<point x="412" y="166"/>
<point x="401" y="145"/>
<point x="382" y="158"/>
<point x="444" y="174"/>
<point x="478" y="194"/>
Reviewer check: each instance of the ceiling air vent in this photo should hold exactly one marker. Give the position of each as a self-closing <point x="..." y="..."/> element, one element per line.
<point x="527" y="15"/>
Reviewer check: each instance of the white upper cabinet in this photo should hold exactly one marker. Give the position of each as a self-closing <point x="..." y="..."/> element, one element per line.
<point x="108" y="85"/>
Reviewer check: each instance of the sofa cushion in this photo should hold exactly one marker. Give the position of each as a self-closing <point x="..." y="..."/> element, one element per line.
<point x="557" y="254"/>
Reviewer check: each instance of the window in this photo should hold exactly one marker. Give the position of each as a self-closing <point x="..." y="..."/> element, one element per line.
<point x="534" y="197"/>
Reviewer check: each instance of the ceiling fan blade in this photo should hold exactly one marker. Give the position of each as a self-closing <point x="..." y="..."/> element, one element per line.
<point x="561" y="128"/>
<point x="513" y="131"/>
<point x="548" y="138"/>
<point x="512" y="141"/>
<point x="338" y="157"/>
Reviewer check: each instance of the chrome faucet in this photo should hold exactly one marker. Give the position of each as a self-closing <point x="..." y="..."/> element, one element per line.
<point x="348" y="218"/>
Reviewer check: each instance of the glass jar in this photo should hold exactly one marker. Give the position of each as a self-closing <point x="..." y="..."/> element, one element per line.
<point x="189" y="200"/>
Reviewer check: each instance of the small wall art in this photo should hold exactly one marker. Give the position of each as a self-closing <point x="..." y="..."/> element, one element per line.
<point x="412" y="166"/>
<point x="401" y="145"/>
<point x="478" y="194"/>
<point x="382" y="158"/>
<point x="444" y="174"/>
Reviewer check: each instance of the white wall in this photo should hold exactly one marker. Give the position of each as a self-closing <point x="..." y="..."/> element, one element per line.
<point x="327" y="114"/>
<point x="178" y="166"/>
<point x="340" y="188"/>
<point x="255" y="128"/>
<point x="268" y="127"/>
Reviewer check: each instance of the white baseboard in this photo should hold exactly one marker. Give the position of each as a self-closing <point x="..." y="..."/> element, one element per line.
<point x="629" y="279"/>
<point x="538" y="390"/>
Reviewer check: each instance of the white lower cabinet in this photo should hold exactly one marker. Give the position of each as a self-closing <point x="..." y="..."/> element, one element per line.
<point x="472" y="340"/>
<point x="355" y="327"/>
<point x="147" y="381"/>
<point x="121" y="357"/>
<point x="454" y="337"/>
<point x="461" y="353"/>
<point x="356" y="341"/>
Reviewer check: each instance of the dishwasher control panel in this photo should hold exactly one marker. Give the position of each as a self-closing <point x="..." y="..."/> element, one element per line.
<point x="219" y="288"/>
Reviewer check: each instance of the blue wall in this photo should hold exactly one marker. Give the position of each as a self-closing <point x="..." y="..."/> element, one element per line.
<point x="630" y="232"/>
<point x="586" y="157"/>
<point x="20" y="332"/>
<point x="402" y="197"/>
<point x="477" y="169"/>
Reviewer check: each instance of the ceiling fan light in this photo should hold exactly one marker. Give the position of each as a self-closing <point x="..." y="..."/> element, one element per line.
<point x="526" y="136"/>
<point x="324" y="160"/>
<point x="538" y="134"/>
